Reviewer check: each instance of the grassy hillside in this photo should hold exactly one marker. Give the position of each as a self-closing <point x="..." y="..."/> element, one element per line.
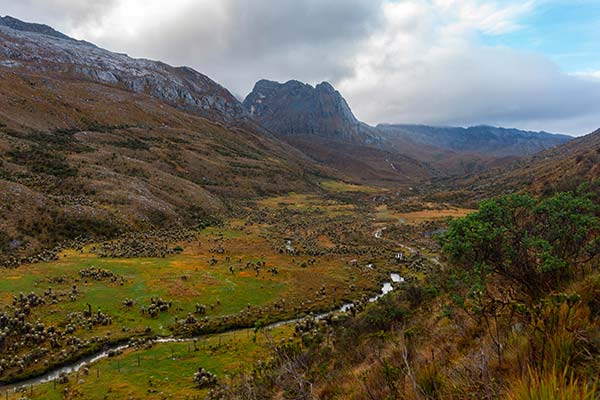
<point x="85" y="159"/>
<point x="562" y="168"/>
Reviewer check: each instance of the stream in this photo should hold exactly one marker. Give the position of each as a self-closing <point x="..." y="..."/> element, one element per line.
<point x="51" y="375"/>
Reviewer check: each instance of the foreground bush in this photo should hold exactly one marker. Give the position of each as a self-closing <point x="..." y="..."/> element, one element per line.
<point x="533" y="244"/>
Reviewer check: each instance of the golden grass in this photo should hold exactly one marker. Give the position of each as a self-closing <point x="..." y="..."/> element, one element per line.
<point x="430" y="212"/>
<point x="308" y="203"/>
<point x="339" y="186"/>
<point x="553" y="385"/>
<point x="417" y="217"/>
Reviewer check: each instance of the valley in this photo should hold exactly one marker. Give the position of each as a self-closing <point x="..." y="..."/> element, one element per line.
<point x="162" y="238"/>
<point x="285" y="258"/>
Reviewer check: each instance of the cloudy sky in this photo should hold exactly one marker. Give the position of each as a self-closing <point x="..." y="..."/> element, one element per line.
<point x="531" y="64"/>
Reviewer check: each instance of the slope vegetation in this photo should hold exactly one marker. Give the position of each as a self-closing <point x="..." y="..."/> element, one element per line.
<point x="562" y="168"/>
<point x="81" y="155"/>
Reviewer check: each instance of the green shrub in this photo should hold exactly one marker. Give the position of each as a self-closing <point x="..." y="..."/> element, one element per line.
<point x="133" y="144"/>
<point x="4" y="241"/>
<point x="384" y="313"/>
<point x="41" y="161"/>
<point x="536" y="244"/>
<point x="56" y="226"/>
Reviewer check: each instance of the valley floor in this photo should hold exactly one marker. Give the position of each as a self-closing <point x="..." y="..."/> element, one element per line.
<point x="279" y="259"/>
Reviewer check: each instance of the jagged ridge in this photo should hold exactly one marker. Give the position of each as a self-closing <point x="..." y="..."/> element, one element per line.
<point x="39" y="48"/>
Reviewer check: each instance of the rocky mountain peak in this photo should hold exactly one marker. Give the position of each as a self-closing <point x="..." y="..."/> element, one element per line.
<point x="327" y="88"/>
<point x="297" y="108"/>
<point x="19" y="25"/>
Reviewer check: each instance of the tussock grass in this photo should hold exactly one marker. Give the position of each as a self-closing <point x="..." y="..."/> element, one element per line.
<point x="553" y="385"/>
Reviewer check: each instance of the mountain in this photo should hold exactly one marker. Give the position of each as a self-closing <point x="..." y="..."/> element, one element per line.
<point x="40" y="49"/>
<point x="19" y="25"/>
<point x="488" y="140"/>
<point x="560" y="168"/>
<point x="296" y="108"/>
<point x="319" y="122"/>
<point x="94" y="143"/>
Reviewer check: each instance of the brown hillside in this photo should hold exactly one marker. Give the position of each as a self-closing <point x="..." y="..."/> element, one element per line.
<point x="561" y="168"/>
<point x="78" y="158"/>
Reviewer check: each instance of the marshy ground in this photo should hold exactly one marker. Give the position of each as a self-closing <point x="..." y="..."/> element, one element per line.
<point x="277" y="259"/>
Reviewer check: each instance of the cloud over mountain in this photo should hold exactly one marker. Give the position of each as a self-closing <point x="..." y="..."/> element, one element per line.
<point x="414" y="61"/>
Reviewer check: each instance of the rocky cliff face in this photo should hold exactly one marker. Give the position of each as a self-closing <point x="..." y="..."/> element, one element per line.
<point x="39" y="48"/>
<point x="296" y="108"/>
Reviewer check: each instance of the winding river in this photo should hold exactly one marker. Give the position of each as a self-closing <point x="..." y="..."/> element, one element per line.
<point x="53" y="374"/>
<point x="49" y="376"/>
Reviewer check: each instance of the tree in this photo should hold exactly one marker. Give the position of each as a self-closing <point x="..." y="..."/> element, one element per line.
<point x="535" y="244"/>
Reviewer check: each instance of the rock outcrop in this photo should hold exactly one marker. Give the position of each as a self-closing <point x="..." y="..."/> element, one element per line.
<point x="296" y="108"/>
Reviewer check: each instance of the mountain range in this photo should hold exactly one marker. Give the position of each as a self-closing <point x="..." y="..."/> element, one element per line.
<point x="94" y="142"/>
<point x="319" y="121"/>
<point x="41" y="49"/>
<point x="494" y="141"/>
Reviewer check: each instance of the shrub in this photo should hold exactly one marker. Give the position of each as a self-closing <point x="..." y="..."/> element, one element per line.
<point x="56" y="226"/>
<point x="41" y="161"/>
<point x="384" y="313"/>
<point x="536" y="244"/>
<point x="4" y="241"/>
<point x="133" y="144"/>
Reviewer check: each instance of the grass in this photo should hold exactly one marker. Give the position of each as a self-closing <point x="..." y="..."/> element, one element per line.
<point x="308" y="204"/>
<point x="165" y="370"/>
<point x="385" y="214"/>
<point x="146" y="278"/>
<point x="553" y="385"/>
<point x="339" y="186"/>
<point x="190" y="277"/>
<point x="186" y="279"/>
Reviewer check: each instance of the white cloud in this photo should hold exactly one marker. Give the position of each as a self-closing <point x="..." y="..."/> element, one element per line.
<point x="238" y="42"/>
<point x="591" y="75"/>
<point x="61" y="14"/>
<point x="395" y="60"/>
<point x="436" y="71"/>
